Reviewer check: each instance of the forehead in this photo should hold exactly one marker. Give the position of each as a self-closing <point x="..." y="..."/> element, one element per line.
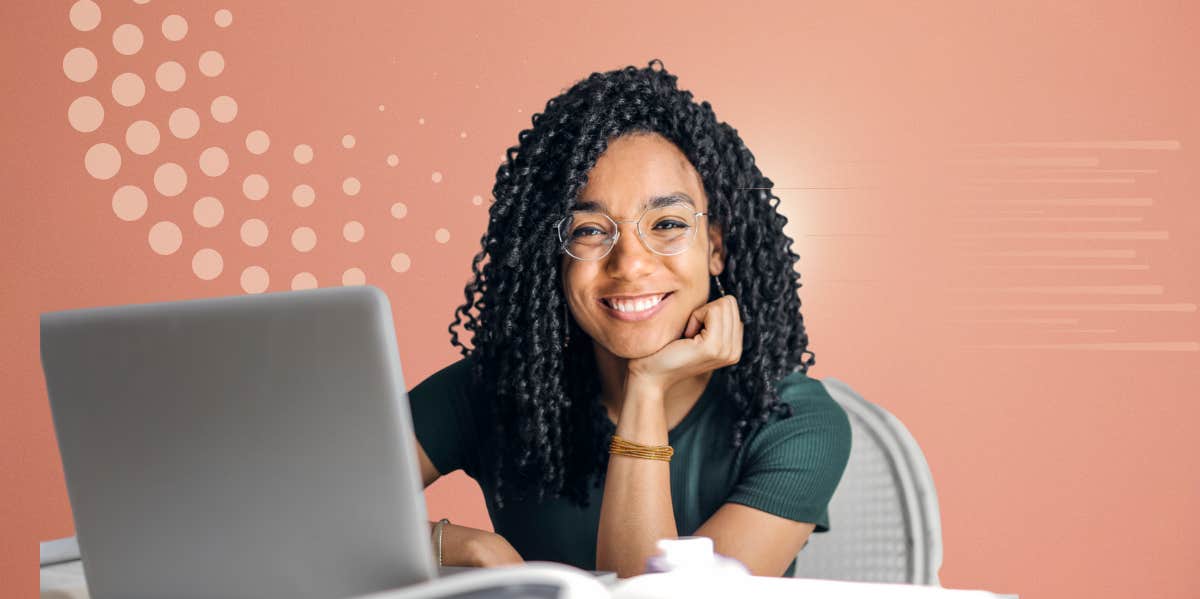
<point x="635" y="169"/>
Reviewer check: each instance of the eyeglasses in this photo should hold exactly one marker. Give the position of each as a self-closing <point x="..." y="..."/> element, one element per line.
<point x="590" y="235"/>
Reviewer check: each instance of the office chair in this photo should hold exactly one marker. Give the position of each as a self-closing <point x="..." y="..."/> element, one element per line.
<point x="884" y="520"/>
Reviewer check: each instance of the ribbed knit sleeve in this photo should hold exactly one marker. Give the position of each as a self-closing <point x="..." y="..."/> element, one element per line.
<point x="793" y="465"/>
<point x="443" y="419"/>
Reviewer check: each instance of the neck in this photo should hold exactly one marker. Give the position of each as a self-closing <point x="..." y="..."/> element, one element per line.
<point x="678" y="399"/>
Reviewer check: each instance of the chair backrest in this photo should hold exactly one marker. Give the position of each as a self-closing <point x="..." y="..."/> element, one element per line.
<point x="884" y="519"/>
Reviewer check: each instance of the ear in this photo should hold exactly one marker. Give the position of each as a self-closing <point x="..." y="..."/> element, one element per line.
<point x="716" y="250"/>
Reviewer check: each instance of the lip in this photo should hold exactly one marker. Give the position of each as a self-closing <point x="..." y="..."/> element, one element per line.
<point x="635" y="316"/>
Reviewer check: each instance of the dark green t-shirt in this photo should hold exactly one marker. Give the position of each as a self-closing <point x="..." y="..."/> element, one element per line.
<point x="788" y="467"/>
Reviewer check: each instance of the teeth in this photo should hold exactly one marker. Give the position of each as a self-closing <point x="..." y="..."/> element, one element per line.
<point x="636" y="305"/>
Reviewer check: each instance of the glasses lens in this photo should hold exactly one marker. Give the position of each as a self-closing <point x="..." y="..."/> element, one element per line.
<point x="586" y="235"/>
<point x="669" y="229"/>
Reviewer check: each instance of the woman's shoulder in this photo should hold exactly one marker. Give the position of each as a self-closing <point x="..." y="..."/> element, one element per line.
<point x="815" y="415"/>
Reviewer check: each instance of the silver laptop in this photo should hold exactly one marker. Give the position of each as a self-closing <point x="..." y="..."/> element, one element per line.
<point x="249" y="446"/>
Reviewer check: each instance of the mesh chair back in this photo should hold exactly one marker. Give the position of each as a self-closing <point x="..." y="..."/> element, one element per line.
<point x="884" y="520"/>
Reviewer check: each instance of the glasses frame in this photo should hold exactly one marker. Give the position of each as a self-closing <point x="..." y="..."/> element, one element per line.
<point x="563" y="243"/>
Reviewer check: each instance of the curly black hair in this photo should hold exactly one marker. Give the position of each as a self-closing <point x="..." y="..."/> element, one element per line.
<point x="544" y="397"/>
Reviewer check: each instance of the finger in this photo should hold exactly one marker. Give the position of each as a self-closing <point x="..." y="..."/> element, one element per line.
<point x="696" y="321"/>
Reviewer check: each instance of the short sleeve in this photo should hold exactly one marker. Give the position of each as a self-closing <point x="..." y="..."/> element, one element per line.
<point x="443" y="420"/>
<point x="793" y="465"/>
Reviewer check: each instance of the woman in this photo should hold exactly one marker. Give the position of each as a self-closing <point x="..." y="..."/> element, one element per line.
<point x="634" y="298"/>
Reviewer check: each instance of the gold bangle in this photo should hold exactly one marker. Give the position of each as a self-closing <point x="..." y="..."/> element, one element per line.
<point x="620" y="446"/>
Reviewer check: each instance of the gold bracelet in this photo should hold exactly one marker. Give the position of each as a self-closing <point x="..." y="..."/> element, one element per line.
<point x="626" y="447"/>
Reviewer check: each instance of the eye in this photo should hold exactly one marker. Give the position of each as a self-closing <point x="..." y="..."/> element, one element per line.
<point x="586" y="232"/>
<point x="670" y="224"/>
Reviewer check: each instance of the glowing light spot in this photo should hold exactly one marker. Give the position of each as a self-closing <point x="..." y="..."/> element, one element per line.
<point x="102" y="161"/>
<point x="211" y="63"/>
<point x="85" y="114"/>
<point x="255" y="279"/>
<point x="354" y="276"/>
<point x="208" y="212"/>
<point x="207" y="264"/>
<point x="393" y="160"/>
<point x="184" y="123"/>
<point x="437" y="177"/>
<point x="254" y="232"/>
<point x="351" y="186"/>
<point x="401" y="262"/>
<point x="223" y="18"/>
<point x="303" y="154"/>
<point x="165" y="238"/>
<point x="303" y="195"/>
<point x="348" y="141"/>
<point x="170" y="76"/>
<point x="441" y="235"/>
<point x="127" y="39"/>
<point x="214" y="161"/>
<point x="129" y="203"/>
<point x="399" y="210"/>
<point x="85" y="15"/>
<point x="304" y="280"/>
<point x="128" y="89"/>
<point x="170" y="179"/>
<point x="174" y="27"/>
<point x="255" y="187"/>
<point x="304" y="239"/>
<point x="224" y="109"/>
<point x="142" y="137"/>
<point x="353" y="231"/>
<point x="79" y="65"/>
<point x="258" y="141"/>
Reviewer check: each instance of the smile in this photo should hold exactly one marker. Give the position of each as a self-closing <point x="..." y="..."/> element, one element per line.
<point x="632" y="309"/>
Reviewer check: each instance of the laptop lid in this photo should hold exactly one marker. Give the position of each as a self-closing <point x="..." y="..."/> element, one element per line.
<point x="248" y="446"/>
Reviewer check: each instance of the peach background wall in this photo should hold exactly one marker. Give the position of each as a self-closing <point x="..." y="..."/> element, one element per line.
<point x="995" y="205"/>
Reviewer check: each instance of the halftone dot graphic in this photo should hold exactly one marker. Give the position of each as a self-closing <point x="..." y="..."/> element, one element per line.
<point x="382" y="108"/>
<point x="174" y="27"/>
<point x="257" y="141"/>
<point x="127" y="39"/>
<point x="85" y="15"/>
<point x="207" y="264"/>
<point x="354" y="276"/>
<point x="170" y="76"/>
<point x="170" y="179"/>
<point x="184" y="123"/>
<point x="85" y="114"/>
<point x="79" y="65"/>
<point x="211" y="63"/>
<point x="401" y="262"/>
<point x="128" y="89"/>
<point x="399" y="210"/>
<point x="353" y="231"/>
<point x="255" y="187"/>
<point x="141" y="1"/>
<point x="255" y="279"/>
<point x="303" y="195"/>
<point x="165" y="238"/>
<point x="304" y="280"/>
<point x="223" y="18"/>
<point x="142" y="137"/>
<point x="302" y="154"/>
<point x="393" y="160"/>
<point x="463" y="135"/>
<point x="102" y="161"/>
<point x="129" y="203"/>
<point x="304" y="239"/>
<point x="441" y="235"/>
<point x="254" y="232"/>
<point x="437" y="177"/>
<point x="421" y="121"/>
<point x="351" y="186"/>
<point x="214" y="161"/>
<point x="224" y="109"/>
<point x="477" y="200"/>
<point x="348" y="141"/>
<point x="208" y="212"/>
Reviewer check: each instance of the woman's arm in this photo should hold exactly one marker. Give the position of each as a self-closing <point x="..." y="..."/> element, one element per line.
<point x="463" y="545"/>
<point x="636" y="509"/>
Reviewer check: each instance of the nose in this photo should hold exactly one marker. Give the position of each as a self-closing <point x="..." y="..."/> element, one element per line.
<point x="629" y="258"/>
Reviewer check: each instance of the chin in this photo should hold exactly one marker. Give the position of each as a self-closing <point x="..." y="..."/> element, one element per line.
<point x="639" y="348"/>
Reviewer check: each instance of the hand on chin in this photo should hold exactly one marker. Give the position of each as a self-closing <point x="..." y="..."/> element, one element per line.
<point x="712" y="339"/>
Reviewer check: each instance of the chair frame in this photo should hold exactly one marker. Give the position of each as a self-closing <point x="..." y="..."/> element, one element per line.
<point x="916" y="489"/>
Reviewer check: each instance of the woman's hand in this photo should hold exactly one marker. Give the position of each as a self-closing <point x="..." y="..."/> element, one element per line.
<point x="712" y="339"/>
<point x="466" y="546"/>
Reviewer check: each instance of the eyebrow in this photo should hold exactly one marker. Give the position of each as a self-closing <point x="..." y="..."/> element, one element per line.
<point x="654" y="202"/>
